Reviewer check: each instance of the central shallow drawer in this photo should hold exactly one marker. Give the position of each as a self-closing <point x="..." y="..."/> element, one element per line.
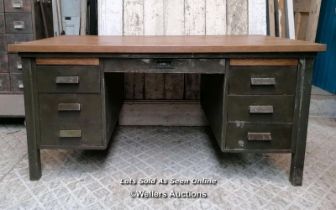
<point x="261" y="108"/>
<point x="165" y="65"/>
<point x="262" y="80"/>
<point x="246" y="136"/>
<point x="68" y="79"/>
<point x="70" y="119"/>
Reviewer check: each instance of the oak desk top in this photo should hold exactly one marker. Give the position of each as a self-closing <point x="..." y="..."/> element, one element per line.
<point x="166" y="44"/>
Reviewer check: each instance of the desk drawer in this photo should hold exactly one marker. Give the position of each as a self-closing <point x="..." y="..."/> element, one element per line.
<point x="258" y="136"/>
<point x="19" y="23"/>
<point x="70" y="119"/>
<point x="166" y="65"/>
<point x="261" y="108"/>
<point x="18" y="5"/>
<point x="68" y="79"/>
<point x="262" y="80"/>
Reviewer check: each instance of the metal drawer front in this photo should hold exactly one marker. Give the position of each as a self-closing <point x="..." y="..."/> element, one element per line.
<point x="71" y="108"/>
<point x="1" y="6"/>
<point x="2" y="43"/>
<point x="248" y="136"/>
<point x="16" y="38"/>
<point x="70" y="120"/>
<point x="18" y="5"/>
<point x="14" y="63"/>
<point x="4" y="82"/>
<point x="68" y="79"/>
<point x="17" y="83"/>
<point x="2" y="23"/>
<point x="261" y="108"/>
<point x="166" y="65"/>
<point x="262" y="80"/>
<point x="3" y="62"/>
<point x="19" y="23"/>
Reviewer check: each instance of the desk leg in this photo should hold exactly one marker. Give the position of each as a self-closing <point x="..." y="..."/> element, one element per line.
<point x="30" y="97"/>
<point x="301" y="121"/>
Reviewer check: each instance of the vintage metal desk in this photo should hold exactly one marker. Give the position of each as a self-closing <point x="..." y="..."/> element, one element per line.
<point x="255" y="90"/>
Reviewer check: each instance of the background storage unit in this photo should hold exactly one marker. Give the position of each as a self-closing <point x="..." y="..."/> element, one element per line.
<point x="20" y="20"/>
<point x="324" y="72"/>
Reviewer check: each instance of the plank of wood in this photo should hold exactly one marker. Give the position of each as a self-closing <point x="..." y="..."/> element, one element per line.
<point x="174" y="86"/>
<point x="154" y="25"/>
<point x="216" y="17"/>
<point x="83" y="15"/>
<point x="194" y="25"/>
<point x="165" y="44"/>
<point x="133" y="24"/>
<point x="68" y="61"/>
<point x="263" y="62"/>
<point x="237" y="17"/>
<point x="271" y="18"/>
<point x="194" y="17"/>
<point x="153" y="17"/>
<point x="174" y="25"/>
<point x="164" y="113"/>
<point x="154" y="86"/>
<point x="313" y="20"/>
<point x="110" y="17"/>
<point x="257" y="17"/>
<point x="290" y="19"/>
<point x="173" y="17"/>
<point x="139" y="86"/>
<point x="282" y="18"/>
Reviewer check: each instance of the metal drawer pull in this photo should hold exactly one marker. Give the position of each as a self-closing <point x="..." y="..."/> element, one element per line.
<point x="19" y="25"/>
<point x="67" y="80"/>
<point x="70" y="133"/>
<point x="261" y="109"/>
<point x="64" y="107"/>
<point x="21" y="85"/>
<point x="17" y="4"/>
<point x="19" y="65"/>
<point x="255" y="81"/>
<point x="264" y="136"/>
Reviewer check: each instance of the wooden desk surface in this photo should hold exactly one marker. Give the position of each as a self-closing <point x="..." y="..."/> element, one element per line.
<point x="166" y="44"/>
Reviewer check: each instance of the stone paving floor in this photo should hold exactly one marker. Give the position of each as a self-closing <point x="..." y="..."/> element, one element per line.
<point x="91" y="179"/>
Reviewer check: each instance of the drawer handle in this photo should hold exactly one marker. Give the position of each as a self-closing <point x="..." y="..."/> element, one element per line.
<point x="164" y="64"/>
<point x="70" y="133"/>
<point x="17" y="4"/>
<point x="263" y="136"/>
<point x="72" y="80"/>
<point x="255" y="81"/>
<point x="261" y="109"/>
<point x="64" y="107"/>
<point x="19" y="65"/>
<point x="19" y="25"/>
<point x="21" y="86"/>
